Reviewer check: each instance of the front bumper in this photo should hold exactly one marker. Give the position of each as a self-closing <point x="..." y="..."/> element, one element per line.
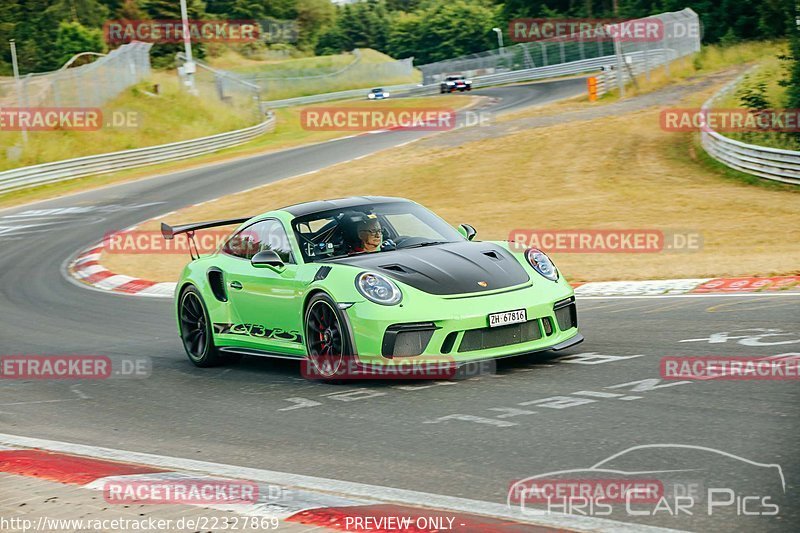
<point x="457" y="328"/>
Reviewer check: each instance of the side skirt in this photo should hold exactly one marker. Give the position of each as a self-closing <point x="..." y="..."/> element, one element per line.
<point x="260" y="353"/>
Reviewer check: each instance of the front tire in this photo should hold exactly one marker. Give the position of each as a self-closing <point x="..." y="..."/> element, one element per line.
<point x="327" y="338"/>
<point x="196" y="330"/>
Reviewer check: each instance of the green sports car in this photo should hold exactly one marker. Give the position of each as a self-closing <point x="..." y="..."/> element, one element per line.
<point x="382" y="281"/>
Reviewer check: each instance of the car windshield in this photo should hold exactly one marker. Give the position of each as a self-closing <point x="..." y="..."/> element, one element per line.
<point x="368" y="228"/>
<point x="377" y="90"/>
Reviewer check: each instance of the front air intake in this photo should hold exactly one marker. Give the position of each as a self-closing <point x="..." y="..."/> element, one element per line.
<point x="485" y="338"/>
<point x="407" y="340"/>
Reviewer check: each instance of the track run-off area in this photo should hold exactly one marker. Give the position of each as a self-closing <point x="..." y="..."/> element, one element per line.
<point x="470" y="439"/>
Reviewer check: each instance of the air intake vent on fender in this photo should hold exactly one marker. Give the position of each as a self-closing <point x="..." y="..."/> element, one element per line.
<point x="322" y="273"/>
<point x="216" y="281"/>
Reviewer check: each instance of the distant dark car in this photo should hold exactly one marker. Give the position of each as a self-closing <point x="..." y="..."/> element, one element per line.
<point x="455" y="82"/>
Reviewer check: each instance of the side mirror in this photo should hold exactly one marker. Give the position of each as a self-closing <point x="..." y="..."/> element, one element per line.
<point x="467" y="231"/>
<point x="267" y="258"/>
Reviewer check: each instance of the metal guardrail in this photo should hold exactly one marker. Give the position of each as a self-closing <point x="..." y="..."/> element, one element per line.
<point x="564" y="69"/>
<point x="552" y="71"/>
<point x="762" y="161"/>
<point x="340" y="95"/>
<point x="24" y="177"/>
<point x="651" y="57"/>
<point x="680" y="31"/>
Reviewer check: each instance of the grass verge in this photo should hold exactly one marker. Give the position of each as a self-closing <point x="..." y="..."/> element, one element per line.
<point x="288" y="133"/>
<point x="710" y="59"/>
<point x="619" y="172"/>
<point x="324" y="74"/>
<point x="141" y="120"/>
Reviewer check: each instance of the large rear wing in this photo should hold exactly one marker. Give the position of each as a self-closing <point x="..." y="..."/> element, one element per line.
<point x="169" y="232"/>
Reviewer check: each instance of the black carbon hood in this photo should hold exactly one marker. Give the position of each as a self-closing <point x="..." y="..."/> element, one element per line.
<point x="454" y="268"/>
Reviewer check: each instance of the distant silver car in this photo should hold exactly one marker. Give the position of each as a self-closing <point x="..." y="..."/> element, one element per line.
<point x="377" y="94"/>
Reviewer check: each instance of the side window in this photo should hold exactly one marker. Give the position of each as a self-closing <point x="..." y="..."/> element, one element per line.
<point x="264" y="235"/>
<point x="243" y="244"/>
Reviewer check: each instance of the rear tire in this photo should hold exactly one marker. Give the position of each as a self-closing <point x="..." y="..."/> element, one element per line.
<point x="196" y="331"/>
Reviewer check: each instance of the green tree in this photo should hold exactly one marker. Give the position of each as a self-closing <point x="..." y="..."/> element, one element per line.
<point x="90" y="13"/>
<point x="35" y="30"/>
<point x="332" y="41"/>
<point x="130" y="10"/>
<point x="314" y="18"/>
<point x="404" y="34"/>
<point x="753" y="96"/>
<point x="163" y="54"/>
<point x="73" y="38"/>
<point x="445" y="30"/>
<point x="793" y="87"/>
<point x="281" y="9"/>
<point x="9" y="15"/>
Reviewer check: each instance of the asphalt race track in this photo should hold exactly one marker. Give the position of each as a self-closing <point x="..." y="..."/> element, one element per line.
<point x="471" y="438"/>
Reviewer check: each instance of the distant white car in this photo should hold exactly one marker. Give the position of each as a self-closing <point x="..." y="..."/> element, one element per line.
<point x="377" y="94"/>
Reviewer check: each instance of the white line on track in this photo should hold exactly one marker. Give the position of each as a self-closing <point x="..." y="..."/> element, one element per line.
<point x="334" y="486"/>
<point x="40" y="401"/>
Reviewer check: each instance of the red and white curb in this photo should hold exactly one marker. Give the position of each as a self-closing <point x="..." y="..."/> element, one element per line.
<point x="87" y="269"/>
<point x="694" y="286"/>
<point x="319" y="502"/>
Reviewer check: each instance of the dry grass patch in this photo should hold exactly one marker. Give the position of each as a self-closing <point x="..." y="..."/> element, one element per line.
<point x="610" y="173"/>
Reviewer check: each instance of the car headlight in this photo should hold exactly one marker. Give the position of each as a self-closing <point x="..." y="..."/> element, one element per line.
<point x="378" y="289"/>
<point x="370" y="96"/>
<point x="451" y="83"/>
<point x="542" y="264"/>
<point x="386" y="95"/>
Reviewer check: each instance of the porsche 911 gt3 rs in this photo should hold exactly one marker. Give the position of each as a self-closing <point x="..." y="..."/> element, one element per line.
<point x="304" y="281"/>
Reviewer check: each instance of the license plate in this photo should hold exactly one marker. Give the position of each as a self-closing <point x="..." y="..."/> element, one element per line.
<point x="508" y="317"/>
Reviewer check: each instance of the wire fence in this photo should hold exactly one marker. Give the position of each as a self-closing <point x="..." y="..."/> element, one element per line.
<point x="678" y="35"/>
<point x="214" y="84"/>
<point x="356" y="74"/>
<point x="89" y="85"/>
